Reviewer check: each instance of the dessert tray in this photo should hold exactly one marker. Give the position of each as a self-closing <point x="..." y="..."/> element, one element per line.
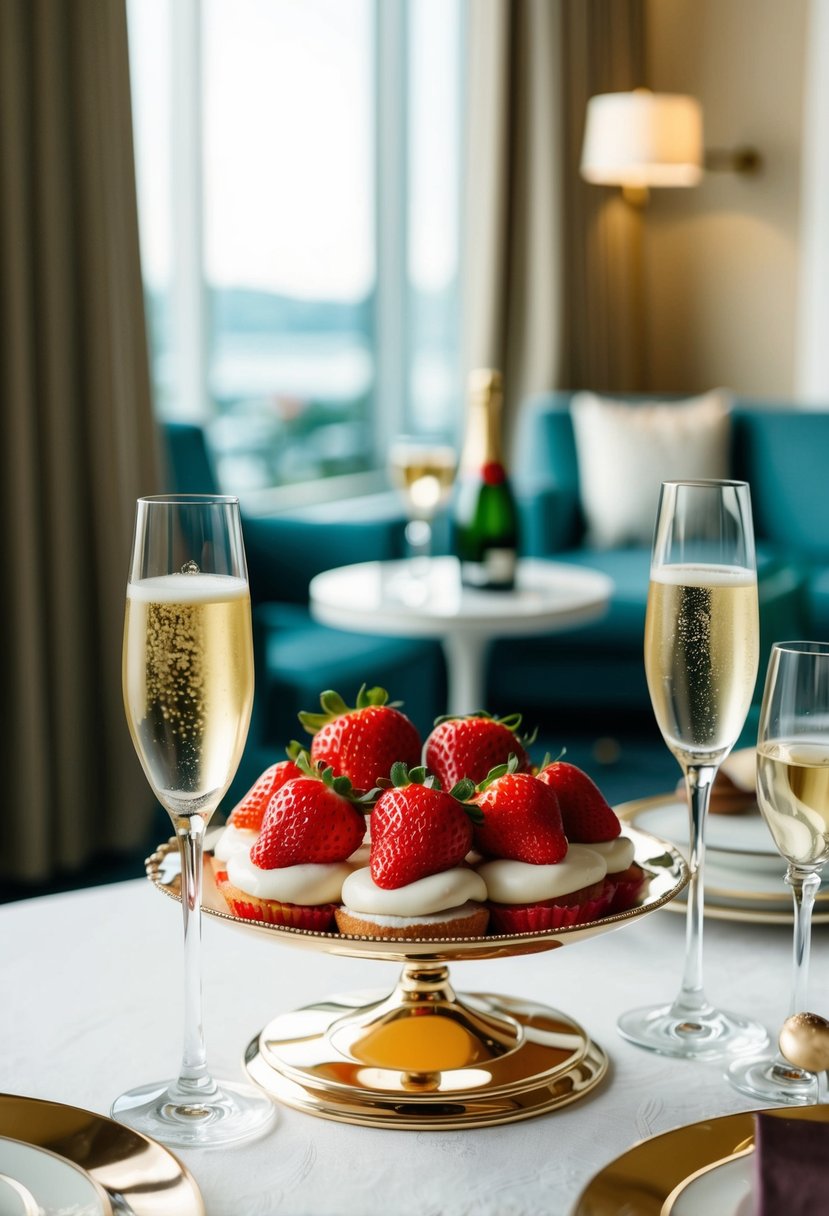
<point x="67" y="1160"/>
<point x="696" y="1170"/>
<point x="422" y="1056"/>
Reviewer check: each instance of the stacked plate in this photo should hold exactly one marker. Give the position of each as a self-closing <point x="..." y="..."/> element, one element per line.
<point x="57" y="1159"/>
<point x="744" y="873"/>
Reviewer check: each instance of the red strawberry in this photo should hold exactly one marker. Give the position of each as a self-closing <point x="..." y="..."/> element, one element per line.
<point x="247" y="814"/>
<point x="364" y="741"/>
<point x="521" y="820"/>
<point x="418" y="829"/>
<point x="310" y="819"/>
<point x="472" y="746"/>
<point x="585" y="812"/>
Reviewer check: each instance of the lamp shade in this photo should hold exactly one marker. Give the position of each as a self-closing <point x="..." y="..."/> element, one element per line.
<point x="642" y="139"/>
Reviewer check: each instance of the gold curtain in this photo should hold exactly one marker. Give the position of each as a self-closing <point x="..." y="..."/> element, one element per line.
<point x="552" y="266"/>
<point x="78" y="439"/>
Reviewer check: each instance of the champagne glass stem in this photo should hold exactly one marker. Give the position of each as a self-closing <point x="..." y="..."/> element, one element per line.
<point x="691" y="999"/>
<point x="194" y="1081"/>
<point x="804" y="886"/>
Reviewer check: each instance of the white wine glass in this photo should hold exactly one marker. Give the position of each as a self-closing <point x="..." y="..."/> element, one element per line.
<point x="701" y="655"/>
<point x="423" y="471"/>
<point x="188" y="694"/>
<point x="793" y="795"/>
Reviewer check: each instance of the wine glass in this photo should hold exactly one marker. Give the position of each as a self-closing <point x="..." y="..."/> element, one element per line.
<point x="793" y="795"/>
<point x="423" y="470"/>
<point x="188" y="693"/>
<point x="701" y="653"/>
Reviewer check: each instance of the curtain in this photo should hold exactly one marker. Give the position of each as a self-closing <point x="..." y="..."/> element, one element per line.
<point x="552" y="265"/>
<point x="78" y="439"/>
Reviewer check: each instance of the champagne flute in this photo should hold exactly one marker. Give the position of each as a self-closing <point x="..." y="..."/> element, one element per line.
<point x="188" y="693"/>
<point x="701" y="653"/>
<point x="793" y="795"/>
<point x="423" y="470"/>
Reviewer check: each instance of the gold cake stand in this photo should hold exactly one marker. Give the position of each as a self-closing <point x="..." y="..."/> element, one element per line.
<point x="422" y="1056"/>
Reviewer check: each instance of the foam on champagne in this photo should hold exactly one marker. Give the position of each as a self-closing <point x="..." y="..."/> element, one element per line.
<point x="187" y="589"/>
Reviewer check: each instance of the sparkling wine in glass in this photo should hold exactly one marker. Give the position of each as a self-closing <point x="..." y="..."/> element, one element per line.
<point x="701" y="655"/>
<point x="423" y="471"/>
<point x="188" y="693"/>
<point x="793" y="795"/>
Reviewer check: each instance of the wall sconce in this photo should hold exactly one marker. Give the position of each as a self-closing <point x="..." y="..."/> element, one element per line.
<point x="641" y="139"/>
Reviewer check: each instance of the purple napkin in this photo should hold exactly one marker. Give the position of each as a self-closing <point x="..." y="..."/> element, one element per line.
<point x="791" y="1166"/>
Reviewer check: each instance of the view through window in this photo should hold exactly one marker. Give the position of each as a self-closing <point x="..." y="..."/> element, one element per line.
<point x="299" y="178"/>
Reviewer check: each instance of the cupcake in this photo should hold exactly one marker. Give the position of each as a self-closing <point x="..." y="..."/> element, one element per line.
<point x="529" y="898"/>
<point x="294" y="872"/>
<point x="245" y="820"/>
<point x="535" y="880"/>
<point x="416" y="884"/>
<point x="588" y="819"/>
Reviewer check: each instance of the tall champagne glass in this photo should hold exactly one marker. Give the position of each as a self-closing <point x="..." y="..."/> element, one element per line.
<point x="793" y="794"/>
<point x="701" y="653"/>
<point x="188" y="694"/>
<point x="423" y="471"/>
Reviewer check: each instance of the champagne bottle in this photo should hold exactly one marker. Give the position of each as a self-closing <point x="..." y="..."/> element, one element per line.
<point x="485" y="516"/>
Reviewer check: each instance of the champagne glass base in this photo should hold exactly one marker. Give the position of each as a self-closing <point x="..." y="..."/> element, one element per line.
<point x="774" y="1080"/>
<point x="230" y="1112"/>
<point x="705" y="1034"/>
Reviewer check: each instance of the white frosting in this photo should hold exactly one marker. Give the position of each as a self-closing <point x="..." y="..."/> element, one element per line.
<point x="618" y="853"/>
<point x="470" y="908"/>
<point x="307" y="884"/>
<point x="232" y="840"/>
<point x="434" y="893"/>
<point x="519" y="882"/>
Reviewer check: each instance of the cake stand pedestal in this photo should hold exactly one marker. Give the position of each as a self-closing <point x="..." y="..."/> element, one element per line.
<point x="422" y="1056"/>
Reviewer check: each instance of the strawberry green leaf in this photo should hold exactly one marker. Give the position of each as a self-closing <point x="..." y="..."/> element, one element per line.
<point x="399" y="774"/>
<point x="463" y="789"/>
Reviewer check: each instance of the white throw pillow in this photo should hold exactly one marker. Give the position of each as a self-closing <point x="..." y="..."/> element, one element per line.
<point x="626" y="450"/>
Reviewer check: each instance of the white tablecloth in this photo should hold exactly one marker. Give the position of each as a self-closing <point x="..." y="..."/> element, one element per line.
<point x="92" y="1004"/>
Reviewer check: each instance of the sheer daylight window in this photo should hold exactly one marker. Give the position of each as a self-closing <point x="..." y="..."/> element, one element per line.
<point x="299" y="174"/>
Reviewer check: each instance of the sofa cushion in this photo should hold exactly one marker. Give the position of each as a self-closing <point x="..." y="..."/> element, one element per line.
<point x="626" y="450"/>
<point x="817" y="606"/>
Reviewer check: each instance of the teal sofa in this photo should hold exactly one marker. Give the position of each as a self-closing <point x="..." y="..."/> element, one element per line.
<point x="297" y="658"/>
<point x="780" y="450"/>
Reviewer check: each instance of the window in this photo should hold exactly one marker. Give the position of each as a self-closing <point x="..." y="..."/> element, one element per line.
<point x="298" y="171"/>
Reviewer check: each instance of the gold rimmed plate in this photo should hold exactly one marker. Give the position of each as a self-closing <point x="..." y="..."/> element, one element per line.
<point x="736" y="888"/>
<point x="423" y="1056"/>
<point x="138" y="1176"/>
<point x="704" y="1167"/>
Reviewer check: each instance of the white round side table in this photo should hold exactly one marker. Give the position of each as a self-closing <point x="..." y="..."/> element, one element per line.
<point x="425" y="598"/>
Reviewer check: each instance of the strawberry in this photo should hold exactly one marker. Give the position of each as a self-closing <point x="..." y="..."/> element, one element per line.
<point x="521" y="818"/>
<point x="361" y="742"/>
<point x="585" y="812"/>
<point x="311" y="819"/>
<point x="472" y="746"/>
<point x="417" y="828"/>
<point x="247" y="814"/>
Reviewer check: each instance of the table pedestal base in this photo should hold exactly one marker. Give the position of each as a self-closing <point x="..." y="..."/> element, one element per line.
<point x="421" y="1058"/>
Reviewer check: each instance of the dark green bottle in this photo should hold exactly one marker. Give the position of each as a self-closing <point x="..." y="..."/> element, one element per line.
<point x="485" y="516"/>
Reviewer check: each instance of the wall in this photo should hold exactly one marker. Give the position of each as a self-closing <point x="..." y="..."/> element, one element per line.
<point x="721" y="260"/>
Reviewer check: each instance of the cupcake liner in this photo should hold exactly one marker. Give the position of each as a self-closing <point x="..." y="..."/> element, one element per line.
<point x="539" y="917"/>
<point x="274" y="912"/>
<point x="629" y="886"/>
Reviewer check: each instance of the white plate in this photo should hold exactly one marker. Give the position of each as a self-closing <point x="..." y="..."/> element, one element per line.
<point x="741" y="841"/>
<point x="724" y="1188"/>
<point x="740" y="883"/>
<point x="58" y="1186"/>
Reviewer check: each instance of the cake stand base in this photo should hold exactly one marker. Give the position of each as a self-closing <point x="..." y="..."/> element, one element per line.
<point x="424" y="1058"/>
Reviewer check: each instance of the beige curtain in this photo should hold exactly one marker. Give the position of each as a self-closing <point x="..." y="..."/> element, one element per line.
<point x="78" y="440"/>
<point x="552" y="265"/>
